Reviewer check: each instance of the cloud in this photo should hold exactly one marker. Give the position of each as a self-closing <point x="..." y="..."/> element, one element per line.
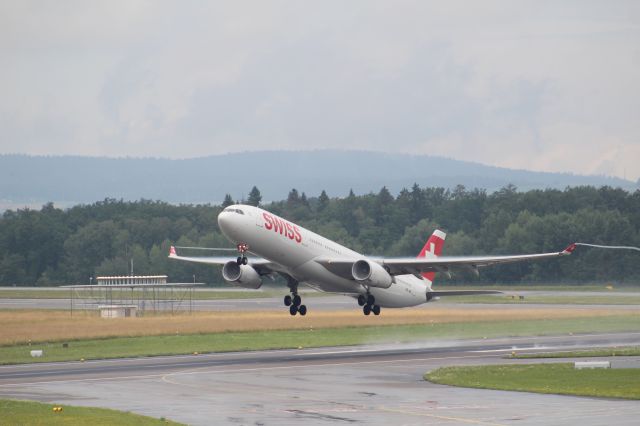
<point x="536" y="85"/>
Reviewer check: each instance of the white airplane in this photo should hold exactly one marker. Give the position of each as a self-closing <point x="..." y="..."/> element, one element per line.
<point x="302" y="256"/>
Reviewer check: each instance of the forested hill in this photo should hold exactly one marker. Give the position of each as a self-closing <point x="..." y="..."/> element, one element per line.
<point x="68" y="180"/>
<point x="53" y="246"/>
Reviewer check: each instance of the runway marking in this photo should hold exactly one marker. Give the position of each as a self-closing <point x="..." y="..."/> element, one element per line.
<point x="351" y="351"/>
<point x="435" y="416"/>
<point x="146" y="376"/>
<point x="515" y="348"/>
<point x="202" y="370"/>
<point x="143" y="358"/>
<point x="238" y="370"/>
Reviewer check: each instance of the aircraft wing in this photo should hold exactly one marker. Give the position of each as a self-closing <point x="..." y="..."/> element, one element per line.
<point x="417" y="266"/>
<point x="262" y="266"/>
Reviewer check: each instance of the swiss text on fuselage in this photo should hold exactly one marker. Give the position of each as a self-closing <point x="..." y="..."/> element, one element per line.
<point x="282" y="227"/>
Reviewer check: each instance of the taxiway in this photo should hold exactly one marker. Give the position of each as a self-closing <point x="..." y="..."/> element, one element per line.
<point x="345" y="385"/>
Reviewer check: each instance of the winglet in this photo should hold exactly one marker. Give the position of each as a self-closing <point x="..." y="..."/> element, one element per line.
<point x="569" y="249"/>
<point x="172" y="252"/>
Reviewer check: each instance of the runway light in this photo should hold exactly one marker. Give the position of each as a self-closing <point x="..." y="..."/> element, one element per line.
<point x="196" y="353"/>
<point x="81" y="359"/>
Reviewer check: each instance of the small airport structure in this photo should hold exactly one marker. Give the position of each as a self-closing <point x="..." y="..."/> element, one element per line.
<point x="132" y="295"/>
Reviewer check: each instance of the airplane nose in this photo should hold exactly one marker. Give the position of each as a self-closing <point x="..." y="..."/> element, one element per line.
<point x="229" y="225"/>
<point x="224" y="221"/>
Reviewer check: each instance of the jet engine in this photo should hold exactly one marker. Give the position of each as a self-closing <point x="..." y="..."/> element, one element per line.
<point x="241" y="275"/>
<point x="371" y="273"/>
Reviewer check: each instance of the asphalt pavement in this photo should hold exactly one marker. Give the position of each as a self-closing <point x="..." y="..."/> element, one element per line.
<point x="379" y="384"/>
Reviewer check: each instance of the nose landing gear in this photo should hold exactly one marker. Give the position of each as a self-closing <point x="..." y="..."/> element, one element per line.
<point x="242" y="249"/>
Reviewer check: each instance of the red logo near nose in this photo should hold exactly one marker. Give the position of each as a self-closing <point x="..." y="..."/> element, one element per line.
<point x="282" y="227"/>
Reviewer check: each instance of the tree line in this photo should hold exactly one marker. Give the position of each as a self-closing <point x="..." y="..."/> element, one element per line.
<point x="52" y="246"/>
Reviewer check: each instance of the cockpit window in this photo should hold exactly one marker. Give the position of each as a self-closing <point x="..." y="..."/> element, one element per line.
<point x="232" y="210"/>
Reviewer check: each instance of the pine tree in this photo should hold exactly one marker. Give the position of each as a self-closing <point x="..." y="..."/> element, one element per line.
<point x="293" y="198"/>
<point x="228" y="201"/>
<point x="254" y="197"/>
<point x="323" y="201"/>
<point x="303" y="200"/>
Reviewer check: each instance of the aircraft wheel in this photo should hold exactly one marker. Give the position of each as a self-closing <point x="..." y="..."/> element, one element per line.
<point x="303" y="310"/>
<point x="371" y="300"/>
<point x="245" y="260"/>
<point x="362" y="300"/>
<point x="293" y="310"/>
<point x="366" y="309"/>
<point x="297" y="300"/>
<point x="376" y="309"/>
<point x="287" y="300"/>
<point x="239" y="260"/>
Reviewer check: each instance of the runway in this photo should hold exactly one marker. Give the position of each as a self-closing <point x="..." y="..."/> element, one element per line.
<point x="344" y="385"/>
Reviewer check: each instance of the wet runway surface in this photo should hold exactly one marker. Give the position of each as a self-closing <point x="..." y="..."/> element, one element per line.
<point x="346" y="385"/>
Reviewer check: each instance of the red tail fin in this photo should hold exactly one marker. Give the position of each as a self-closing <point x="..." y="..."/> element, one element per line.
<point x="433" y="248"/>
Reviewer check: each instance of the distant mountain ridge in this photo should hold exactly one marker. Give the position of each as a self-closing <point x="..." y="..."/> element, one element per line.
<point x="75" y="179"/>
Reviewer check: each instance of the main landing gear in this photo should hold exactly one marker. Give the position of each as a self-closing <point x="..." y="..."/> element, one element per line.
<point x="294" y="301"/>
<point x="242" y="249"/>
<point x="367" y="301"/>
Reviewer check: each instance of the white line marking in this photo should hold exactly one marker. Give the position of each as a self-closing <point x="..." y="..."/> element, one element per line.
<point x="515" y="348"/>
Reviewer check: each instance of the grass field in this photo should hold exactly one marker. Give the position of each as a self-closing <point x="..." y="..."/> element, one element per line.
<point x="600" y="352"/>
<point x="604" y="299"/>
<point x="608" y="288"/>
<point x="22" y="326"/>
<point x="20" y="413"/>
<point x="308" y="334"/>
<point x="544" y="378"/>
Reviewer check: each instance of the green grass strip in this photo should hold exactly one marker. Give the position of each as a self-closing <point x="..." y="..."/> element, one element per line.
<point x="605" y="299"/>
<point x="628" y="351"/>
<point x="281" y="339"/>
<point x="20" y="413"/>
<point x="560" y="379"/>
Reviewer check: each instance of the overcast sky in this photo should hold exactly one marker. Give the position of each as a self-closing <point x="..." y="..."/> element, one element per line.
<point x="551" y="86"/>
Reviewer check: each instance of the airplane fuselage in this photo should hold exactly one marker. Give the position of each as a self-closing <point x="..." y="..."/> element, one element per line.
<point x="294" y="250"/>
